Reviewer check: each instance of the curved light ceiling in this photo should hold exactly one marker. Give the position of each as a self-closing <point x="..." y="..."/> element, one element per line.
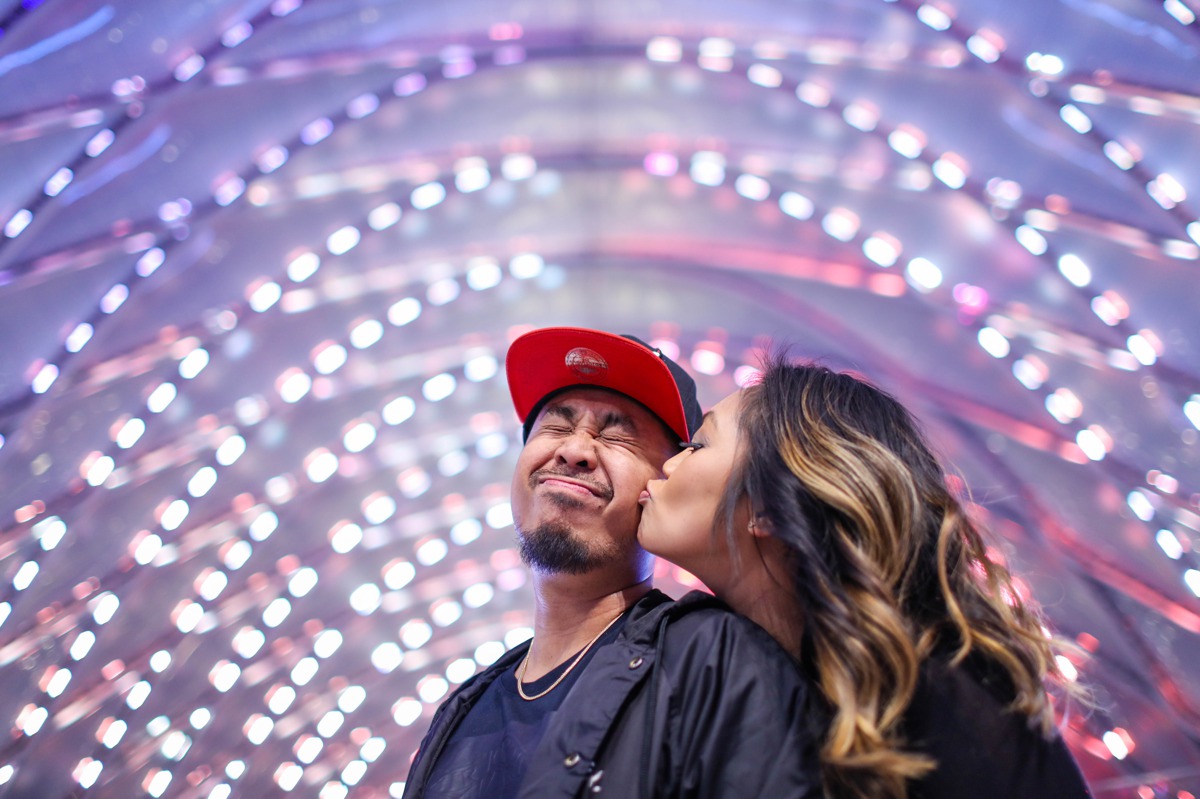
<point x="261" y="261"/>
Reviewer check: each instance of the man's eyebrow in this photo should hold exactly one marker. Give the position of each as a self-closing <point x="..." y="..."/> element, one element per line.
<point x="619" y="420"/>
<point x="562" y="411"/>
<point x="610" y="419"/>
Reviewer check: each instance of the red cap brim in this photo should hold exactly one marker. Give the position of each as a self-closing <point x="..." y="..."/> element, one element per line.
<point x="544" y="361"/>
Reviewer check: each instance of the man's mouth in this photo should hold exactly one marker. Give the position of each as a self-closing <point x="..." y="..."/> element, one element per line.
<point x="573" y="485"/>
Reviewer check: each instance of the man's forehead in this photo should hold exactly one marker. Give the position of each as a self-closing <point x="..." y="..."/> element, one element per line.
<point x="599" y="399"/>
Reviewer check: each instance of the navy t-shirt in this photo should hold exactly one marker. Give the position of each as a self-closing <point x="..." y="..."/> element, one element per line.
<point x="488" y="754"/>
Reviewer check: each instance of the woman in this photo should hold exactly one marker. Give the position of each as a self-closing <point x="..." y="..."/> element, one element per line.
<point x="810" y="502"/>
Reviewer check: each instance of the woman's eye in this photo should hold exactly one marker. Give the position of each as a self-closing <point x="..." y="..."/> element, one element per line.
<point x="690" y="445"/>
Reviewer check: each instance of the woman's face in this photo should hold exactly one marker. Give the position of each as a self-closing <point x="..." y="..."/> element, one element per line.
<point x="678" y="512"/>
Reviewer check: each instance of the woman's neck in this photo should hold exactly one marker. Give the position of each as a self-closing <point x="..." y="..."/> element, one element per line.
<point x="764" y="594"/>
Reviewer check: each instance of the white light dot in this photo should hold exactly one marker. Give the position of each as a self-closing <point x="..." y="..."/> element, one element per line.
<point x="484" y="275"/>
<point x="478" y="595"/>
<point x="432" y="551"/>
<point x="1141" y="505"/>
<point x="82" y="645"/>
<point x="303" y="581"/>
<point x="1031" y="239"/>
<point x="258" y="728"/>
<point x="1075" y="269"/>
<point x="359" y="437"/>
<point x="202" y="481"/>
<point x="264" y="296"/>
<point x="529" y="265"/>
<point x="293" y="385"/>
<point x="399" y="574"/>
<point x="343" y="240"/>
<point x="386" y="657"/>
<point x="345" y="537"/>
<point x="499" y="516"/>
<point x="406" y="711"/>
<point x="518" y="166"/>
<point x="461" y="670"/>
<point x="439" y="387"/>
<point x="1116" y="745"/>
<point x="303" y="266"/>
<point x="137" y="694"/>
<point x="432" y="688"/>
<point x="79" y="336"/>
<point x="796" y="205"/>
<point x="427" y="196"/>
<point x="934" y="17"/>
<point x="752" y="187"/>
<point x="330" y="723"/>
<point x="1142" y="349"/>
<point x="100" y="470"/>
<point x="230" y="450"/>
<point x="104" y="607"/>
<point x="305" y="670"/>
<point x="212" y="585"/>
<point x="18" y="222"/>
<point x="993" y="342"/>
<point x="466" y="531"/>
<point x="193" y="363"/>
<point x="415" y="633"/>
<point x="44" y="379"/>
<point x="405" y="311"/>
<point x="25" y="575"/>
<point x="366" y="333"/>
<point x="276" y="612"/>
<point x="351" y="698"/>
<point x="188" y="616"/>
<point x="280" y="698"/>
<point x="320" y="465"/>
<point x="950" y="171"/>
<point x="1091" y="444"/>
<point x="1192" y="578"/>
<point x="174" y="515"/>
<point x="708" y="168"/>
<point x="489" y="652"/>
<point x="248" y="642"/>
<point x="1169" y="544"/>
<point x="841" y="223"/>
<point x="365" y="599"/>
<point x="160" y="661"/>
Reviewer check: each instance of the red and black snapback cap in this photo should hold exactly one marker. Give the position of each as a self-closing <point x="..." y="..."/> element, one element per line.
<point x="541" y="363"/>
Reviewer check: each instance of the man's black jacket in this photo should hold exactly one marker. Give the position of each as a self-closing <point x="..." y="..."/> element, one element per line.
<point x="690" y="700"/>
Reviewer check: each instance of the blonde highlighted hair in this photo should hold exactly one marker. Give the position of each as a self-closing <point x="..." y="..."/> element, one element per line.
<point x="887" y="566"/>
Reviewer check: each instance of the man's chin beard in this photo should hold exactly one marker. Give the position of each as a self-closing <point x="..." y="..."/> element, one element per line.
<point x="553" y="548"/>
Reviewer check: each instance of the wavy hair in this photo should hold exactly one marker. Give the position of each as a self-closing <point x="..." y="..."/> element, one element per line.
<point x="887" y="566"/>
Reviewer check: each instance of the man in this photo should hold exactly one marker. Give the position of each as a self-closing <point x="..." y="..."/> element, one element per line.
<point x="620" y="690"/>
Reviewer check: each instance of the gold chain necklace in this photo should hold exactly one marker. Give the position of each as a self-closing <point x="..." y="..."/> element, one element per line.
<point x="563" y="676"/>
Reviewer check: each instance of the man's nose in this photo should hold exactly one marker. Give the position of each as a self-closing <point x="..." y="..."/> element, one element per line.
<point x="578" y="450"/>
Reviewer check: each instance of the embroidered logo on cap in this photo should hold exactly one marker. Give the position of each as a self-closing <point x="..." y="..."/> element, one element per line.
<point x="586" y="364"/>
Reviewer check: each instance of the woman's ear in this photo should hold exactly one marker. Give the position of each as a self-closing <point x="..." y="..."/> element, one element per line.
<point x="760" y="526"/>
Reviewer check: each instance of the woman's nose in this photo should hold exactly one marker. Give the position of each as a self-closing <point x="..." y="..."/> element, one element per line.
<point x="673" y="462"/>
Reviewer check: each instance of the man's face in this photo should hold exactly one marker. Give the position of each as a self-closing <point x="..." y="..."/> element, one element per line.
<point x="577" y="482"/>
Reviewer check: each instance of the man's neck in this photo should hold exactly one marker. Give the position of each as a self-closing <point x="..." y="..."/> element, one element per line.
<point x="569" y="612"/>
